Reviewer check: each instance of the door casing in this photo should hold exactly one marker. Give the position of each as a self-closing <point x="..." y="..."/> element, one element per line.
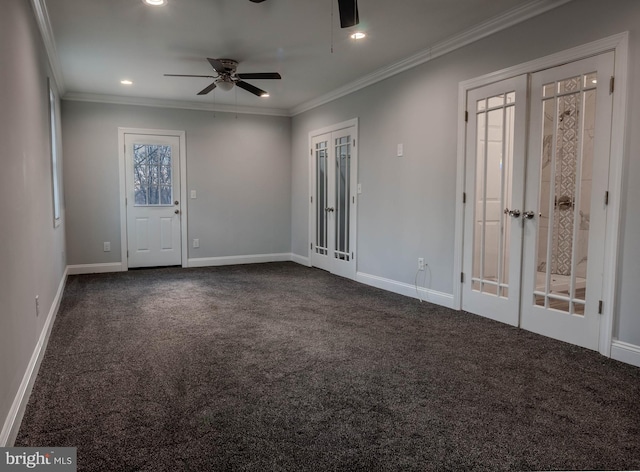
<point x="181" y="135"/>
<point x="619" y="44"/>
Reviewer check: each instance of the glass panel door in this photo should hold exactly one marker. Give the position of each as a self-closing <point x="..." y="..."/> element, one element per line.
<point x="568" y="177"/>
<point x="495" y="178"/>
<point x="333" y="203"/>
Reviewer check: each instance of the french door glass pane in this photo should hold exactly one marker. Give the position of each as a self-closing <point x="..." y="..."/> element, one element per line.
<point x="565" y="193"/>
<point x="342" y="176"/>
<point x="494" y="159"/>
<point x="321" y="197"/>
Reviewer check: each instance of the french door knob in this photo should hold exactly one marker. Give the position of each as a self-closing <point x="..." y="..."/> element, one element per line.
<point x="529" y="215"/>
<point x="514" y="213"/>
<point x="329" y="209"/>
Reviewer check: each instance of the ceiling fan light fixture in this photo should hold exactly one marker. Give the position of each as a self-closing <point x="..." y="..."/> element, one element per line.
<point x="225" y="85"/>
<point x="155" y="3"/>
<point x="358" y="35"/>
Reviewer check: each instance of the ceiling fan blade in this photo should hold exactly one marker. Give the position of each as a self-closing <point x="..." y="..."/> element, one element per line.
<point x="251" y="88"/>
<point x="208" y="89"/>
<point x="257" y="1"/>
<point x="189" y="75"/>
<point x="348" y="13"/>
<point x="217" y="65"/>
<point x="259" y="75"/>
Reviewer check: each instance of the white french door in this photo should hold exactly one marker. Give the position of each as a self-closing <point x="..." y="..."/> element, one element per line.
<point x="152" y="178"/>
<point x="333" y="202"/>
<point x="534" y="236"/>
<point x="568" y="174"/>
<point x="494" y="177"/>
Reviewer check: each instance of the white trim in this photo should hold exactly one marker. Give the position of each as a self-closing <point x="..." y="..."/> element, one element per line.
<point x="625" y="352"/>
<point x="619" y="44"/>
<point x="181" y="135"/>
<point x="180" y="104"/>
<point x="482" y="30"/>
<point x="305" y="261"/>
<point x="78" y="269"/>
<point x="244" y="259"/>
<point x="616" y="165"/>
<point x="14" y="418"/>
<point x="408" y="290"/>
<point x="46" y="31"/>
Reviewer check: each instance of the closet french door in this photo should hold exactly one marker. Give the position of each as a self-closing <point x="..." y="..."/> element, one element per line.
<point x="494" y="177"/>
<point x="333" y="202"/>
<point x="534" y="247"/>
<point x="567" y="177"/>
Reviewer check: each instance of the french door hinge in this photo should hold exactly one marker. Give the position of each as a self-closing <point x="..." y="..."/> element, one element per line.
<point x="354" y="143"/>
<point x="461" y="277"/>
<point x="612" y="84"/>
<point x="599" y="307"/>
<point x="466" y="116"/>
<point x="311" y="246"/>
<point x="311" y="152"/>
<point x="606" y="197"/>
<point x="464" y="197"/>
<point x="127" y="253"/>
<point x="353" y="255"/>
<point x="311" y="199"/>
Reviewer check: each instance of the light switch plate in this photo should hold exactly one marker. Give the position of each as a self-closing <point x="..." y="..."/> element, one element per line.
<point x="400" y="150"/>
<point x="193" y="194"/>
<point x="359" y="188"/>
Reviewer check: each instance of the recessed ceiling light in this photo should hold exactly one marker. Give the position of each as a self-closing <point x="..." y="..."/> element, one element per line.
<point x="594" y="81"/>
<point x="358" y="35"/>
<point x="155" y="3"/>
<point x="264" y="95"/>
<point x="126" y="82"/>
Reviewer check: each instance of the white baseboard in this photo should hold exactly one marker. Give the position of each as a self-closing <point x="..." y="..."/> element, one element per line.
<point x="14" y="418"/>
<point x="625" y="352"/>
<point x="233" y="260"/>
<point x="408" y="290"/>
<point x="94" y="268"/>
<point x="302" y="260"/>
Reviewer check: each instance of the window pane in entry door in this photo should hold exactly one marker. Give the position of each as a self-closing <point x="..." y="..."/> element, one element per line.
<point x="152" y="175"/>
<point x="321" y="197"/>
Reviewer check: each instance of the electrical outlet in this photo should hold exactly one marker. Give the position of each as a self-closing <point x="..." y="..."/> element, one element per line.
<point x="196" y="243"/>
<point x="420" y="263"/>
<point x="107" y="246"/>
<point x="37" y="306"/>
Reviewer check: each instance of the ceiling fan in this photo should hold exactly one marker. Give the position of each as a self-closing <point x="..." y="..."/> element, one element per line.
<point x="228" y="77"/>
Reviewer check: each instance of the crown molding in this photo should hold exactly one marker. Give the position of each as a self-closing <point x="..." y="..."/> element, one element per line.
<point x="482" y="30"/>
<point x="46" y="31"/>
<point x="181" y="104"/>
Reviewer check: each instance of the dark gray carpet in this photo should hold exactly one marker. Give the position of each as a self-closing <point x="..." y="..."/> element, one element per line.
<point x="281" y="367"/>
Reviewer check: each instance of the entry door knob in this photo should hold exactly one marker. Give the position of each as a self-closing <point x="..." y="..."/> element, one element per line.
<point x="177" y="211"/>
<point x="176" y="202"/>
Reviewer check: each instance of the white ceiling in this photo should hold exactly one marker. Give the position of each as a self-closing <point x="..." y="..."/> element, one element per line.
<point x="100" y="42"/>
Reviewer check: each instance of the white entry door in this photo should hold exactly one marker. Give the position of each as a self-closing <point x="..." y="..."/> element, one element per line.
<point x="152" y="198"/>
<point x="494" y="192"/>
<point x="566" y="200"/>
<point x="333" y="202"/>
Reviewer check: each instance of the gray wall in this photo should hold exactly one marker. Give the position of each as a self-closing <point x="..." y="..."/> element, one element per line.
<point x="407" y="206"/>
<point x="31" y="250"/>
<point x="239" y="166"/>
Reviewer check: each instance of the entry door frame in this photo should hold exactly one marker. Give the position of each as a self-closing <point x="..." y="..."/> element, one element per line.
<point x="619" y="44"/>
<point x="181" y="135"/>
<point x="354" y="178"/>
